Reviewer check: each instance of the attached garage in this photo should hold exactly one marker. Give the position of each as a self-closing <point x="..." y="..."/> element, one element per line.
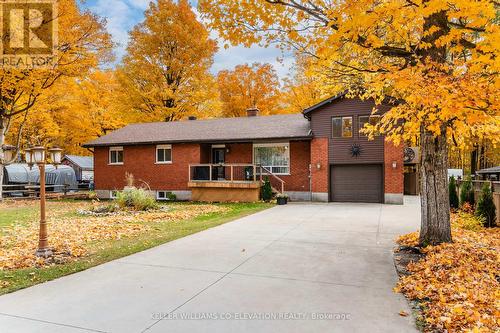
<point x="357" y="183"/>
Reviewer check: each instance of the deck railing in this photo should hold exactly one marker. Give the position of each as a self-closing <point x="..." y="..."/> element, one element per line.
<point x="223" y="172"/>
<point x="234" y="173"/>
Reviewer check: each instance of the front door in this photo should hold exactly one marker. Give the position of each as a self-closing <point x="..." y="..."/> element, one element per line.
<point x="218" y="157"/>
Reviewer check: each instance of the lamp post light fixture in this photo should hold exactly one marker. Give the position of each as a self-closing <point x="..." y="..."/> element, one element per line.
<point x="9" y="154"/>
<point x="37" y="155"/>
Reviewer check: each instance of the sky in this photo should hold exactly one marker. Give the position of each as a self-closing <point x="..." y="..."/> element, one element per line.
<point x="122" y="15"/>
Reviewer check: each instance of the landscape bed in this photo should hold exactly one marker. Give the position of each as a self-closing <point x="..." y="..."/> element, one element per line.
<point x="81" y="239"/>
<point x="454" y="287"/>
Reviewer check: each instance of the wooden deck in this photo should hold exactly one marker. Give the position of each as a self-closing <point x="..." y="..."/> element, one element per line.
<point x="225" y="191"/>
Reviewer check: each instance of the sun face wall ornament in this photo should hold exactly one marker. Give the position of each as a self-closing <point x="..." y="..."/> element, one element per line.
<point x="409" y="155"/>
<point x="355" y="150"/>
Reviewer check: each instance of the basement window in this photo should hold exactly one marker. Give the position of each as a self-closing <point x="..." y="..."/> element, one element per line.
<point x="164" y="196"/>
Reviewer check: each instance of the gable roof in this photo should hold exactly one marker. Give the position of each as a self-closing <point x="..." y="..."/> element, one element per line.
<point x="310" y="109"/>
<point x="84" y="162"/>
<point x="289" y="126"/>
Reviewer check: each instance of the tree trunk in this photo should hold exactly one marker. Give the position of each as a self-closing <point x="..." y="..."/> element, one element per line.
<point x="435" y="207"/>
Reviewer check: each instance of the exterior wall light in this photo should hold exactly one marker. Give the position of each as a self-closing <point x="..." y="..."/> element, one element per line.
<point x="394" y="164"/>
<point x="318" y="166"/>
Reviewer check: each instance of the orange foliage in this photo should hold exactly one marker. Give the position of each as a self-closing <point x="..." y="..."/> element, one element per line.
<point x="457" y="283"/>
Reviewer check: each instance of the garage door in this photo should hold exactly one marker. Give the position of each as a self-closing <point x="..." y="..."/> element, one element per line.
<point x="356" y="183"/>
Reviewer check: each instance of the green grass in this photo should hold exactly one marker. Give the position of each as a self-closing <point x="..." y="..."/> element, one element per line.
<point x="104" y="251"/>
<point x="12" y="215"/>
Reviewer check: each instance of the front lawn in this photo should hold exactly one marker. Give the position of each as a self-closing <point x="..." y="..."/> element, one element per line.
<point x="456" y="285"/>
<point x="81" y="241"/>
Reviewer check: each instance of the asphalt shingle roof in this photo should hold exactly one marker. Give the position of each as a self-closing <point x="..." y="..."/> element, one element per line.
<point x="290" y="126"/>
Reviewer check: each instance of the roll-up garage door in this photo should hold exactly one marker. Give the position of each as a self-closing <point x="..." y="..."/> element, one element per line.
<point x="356" y="183"/>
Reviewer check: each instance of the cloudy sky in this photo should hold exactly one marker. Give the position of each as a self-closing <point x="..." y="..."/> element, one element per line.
<point x="122" y="15"/>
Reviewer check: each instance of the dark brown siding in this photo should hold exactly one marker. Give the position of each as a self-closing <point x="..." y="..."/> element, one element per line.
<point x="339" y="148"/>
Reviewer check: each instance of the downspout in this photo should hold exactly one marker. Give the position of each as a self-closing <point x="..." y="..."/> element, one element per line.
<point x="310" y="183"/>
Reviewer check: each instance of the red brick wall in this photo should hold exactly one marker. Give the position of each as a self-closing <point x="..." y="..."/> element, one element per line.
<point x="393" y="180"/>
<point x="319" y="154"/>
<point x="298" y="180"/>
<point x="239" y="153"/>
<point x="300" y="152"/>
<point x="140" y="161"/>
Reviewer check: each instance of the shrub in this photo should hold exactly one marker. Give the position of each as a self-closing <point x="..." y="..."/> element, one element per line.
<point x="486" y="207"/>
<point x="267" y="191"/>
<point x="467" y="192"/>
<point x="467" y="221"/>
<point x="452" y="187"/>
<point x="136" y="199"/>
<point x="171" y="196"/>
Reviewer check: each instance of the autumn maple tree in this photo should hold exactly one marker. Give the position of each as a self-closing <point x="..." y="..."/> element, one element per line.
<point x="248" y="86"/>
<point x="437" y="61"/>
<point x="83" y="45"/>
<point x="166" y="69"/>
<point x="73" y="111"/>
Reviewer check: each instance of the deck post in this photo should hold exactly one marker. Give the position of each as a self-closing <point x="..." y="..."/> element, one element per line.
<point x="231" y="172"/>
<point x="210" y="171"/>
<point x="254" y="172"/>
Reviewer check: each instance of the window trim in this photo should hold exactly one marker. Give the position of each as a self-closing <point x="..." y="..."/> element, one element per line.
<point x="369" y="118"/>
<point x="112" y="149"/>
<point x="158" y="196"/>
<point x="275" y="144"/>
<point x="113" y="194"/>
<point x="342" y="127"/>
<point x="158" y="147"/>
<point x="166" y="195"/>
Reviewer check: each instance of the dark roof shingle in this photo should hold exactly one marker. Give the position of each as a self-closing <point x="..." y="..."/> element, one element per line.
<point x="290" y="126"/>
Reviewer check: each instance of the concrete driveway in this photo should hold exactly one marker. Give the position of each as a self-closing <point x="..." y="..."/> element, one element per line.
<point x="295" y="268"/>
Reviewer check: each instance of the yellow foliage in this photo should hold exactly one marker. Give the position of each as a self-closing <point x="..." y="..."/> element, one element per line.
<point x="437" y="59"/>
<point x="246" y="86"/>
<point x="83" y="45"/>
<point x="165" y="73"/>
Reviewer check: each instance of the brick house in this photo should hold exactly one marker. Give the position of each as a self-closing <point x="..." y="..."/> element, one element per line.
<point x="318" y="155"/>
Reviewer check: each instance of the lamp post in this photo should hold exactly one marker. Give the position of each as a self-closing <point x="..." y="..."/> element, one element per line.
<point x="38" y="156"/>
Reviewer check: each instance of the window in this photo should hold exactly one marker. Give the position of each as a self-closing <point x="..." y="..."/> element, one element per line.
<point x="273" y="156"/>
<point x="116" y="155"/>
<point x="165" y="196"/>
<point x="113" y="194"/>
<point x="164" y="154"/>
<point x="372" y="120"/>
<point x="342" y="127"/>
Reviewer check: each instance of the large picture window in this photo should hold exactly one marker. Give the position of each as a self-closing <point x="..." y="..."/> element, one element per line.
<point x="342" y="127"/>
<point x="273" y="156"/>
<point x="116" y="155"/>
<point x="164" y="154"/>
